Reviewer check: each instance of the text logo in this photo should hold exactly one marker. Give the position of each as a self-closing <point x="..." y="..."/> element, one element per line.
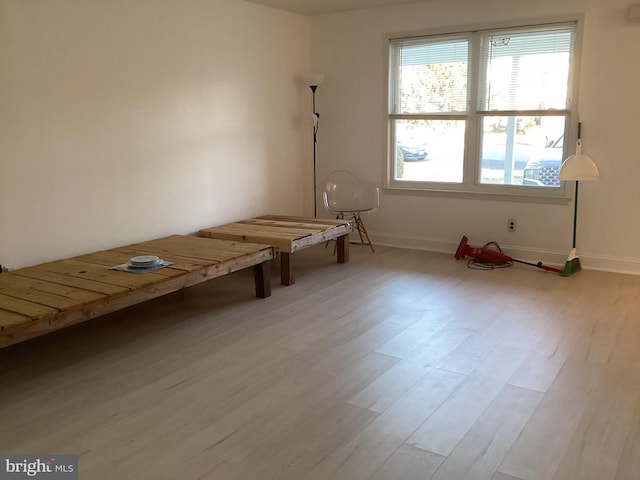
<point x="49" y="467"/>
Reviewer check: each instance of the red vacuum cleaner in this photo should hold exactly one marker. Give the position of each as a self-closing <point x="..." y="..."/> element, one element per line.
<point x="494" y="257"/>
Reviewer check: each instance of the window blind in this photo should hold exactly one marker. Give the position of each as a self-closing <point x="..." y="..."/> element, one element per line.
<point x="526" y="69"/>
<point x="430" y="75"/>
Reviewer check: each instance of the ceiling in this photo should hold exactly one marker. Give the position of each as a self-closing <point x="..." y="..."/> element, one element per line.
<point x="317" y="7"/>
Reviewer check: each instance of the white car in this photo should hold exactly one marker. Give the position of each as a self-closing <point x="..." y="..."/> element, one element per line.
<point x="542" y="168"/>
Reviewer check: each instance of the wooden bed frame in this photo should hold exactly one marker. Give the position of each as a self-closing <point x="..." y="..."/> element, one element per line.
<point x="43" y="298"/>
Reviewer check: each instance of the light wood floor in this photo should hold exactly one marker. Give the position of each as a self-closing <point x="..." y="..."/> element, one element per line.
<point x="398" y="365"/>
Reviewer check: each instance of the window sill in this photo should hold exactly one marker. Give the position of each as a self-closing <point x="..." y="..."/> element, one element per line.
<point x="501" y="197"/>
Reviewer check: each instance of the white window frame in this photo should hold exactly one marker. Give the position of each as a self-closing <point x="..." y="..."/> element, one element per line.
<point x="470" y="186"/>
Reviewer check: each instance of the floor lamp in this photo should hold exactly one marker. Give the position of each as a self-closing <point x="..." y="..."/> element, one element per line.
<point x="313" y="80"/>
<point x="576" y="167"/>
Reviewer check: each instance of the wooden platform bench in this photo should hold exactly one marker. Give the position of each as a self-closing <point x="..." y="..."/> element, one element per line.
<point x="288" y="234"/>
<point x="51" y="296"/>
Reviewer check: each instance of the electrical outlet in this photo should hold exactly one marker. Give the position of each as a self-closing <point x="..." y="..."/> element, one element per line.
<point x="511" y="225"/>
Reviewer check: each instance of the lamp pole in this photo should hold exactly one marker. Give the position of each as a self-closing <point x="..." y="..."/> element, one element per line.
<point x="315" y="140"/>
<point x="313" y="80"/>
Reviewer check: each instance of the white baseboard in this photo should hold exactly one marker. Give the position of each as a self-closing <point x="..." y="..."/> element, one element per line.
<point x="588" y="261"/>
<point x="603" y="263"/>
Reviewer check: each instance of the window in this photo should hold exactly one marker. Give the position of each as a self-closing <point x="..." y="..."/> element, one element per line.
<point x="483" y="111"/>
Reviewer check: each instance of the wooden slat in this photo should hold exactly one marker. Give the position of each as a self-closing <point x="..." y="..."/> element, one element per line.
<point x="112" y="258"/>
<point x="200" y="258"/>
<point x="101" y="273"/>
<point x="45" y="293"/>
<point x="109" y="258"/>
<point x="302" y="227"/>
<point x="12" y="319"/>
<point x="286" y="229"/>
<point x="183" y="264"/>
<point x="41" y="298"/>
<point x="279" y="228"/>
<point x="320" y="237"/>
<point x="24" y="307"/>
<point x="317" y="221"/>
<point x="62" y="279"/>
<point x="286" y="233"/>
<point x="121" y="255"/>
<point x="189" y="253"/>
<point x="197" y="247"/>
<point x="282" y="244"/>
<point x="283" y="240"/>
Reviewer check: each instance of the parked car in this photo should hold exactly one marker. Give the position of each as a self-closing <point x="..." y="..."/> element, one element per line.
<point x="542" y="168"/>
<point x="413" y="152"/>
<point x="410" y="142"/>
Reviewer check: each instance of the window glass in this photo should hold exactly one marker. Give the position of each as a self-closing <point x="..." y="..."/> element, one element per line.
<point x="429" y="150"/>
<point x="511" y="145"/>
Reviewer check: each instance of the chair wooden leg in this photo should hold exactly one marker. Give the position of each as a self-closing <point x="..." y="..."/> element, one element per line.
<point x="357" y="221"/>
<point x="363" y="229"/>
<point x="358" y="224"/>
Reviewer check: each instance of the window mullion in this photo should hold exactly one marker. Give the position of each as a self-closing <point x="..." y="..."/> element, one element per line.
<point x="522" y="113"/>
<point x="472" y="142"/>
<point x="430" y="116"/>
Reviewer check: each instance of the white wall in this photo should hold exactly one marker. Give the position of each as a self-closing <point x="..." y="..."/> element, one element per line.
<point x="349" y="49"/>
<point x="126" y="120"/>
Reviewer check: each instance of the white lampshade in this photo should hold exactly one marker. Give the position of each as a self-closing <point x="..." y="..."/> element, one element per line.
<point x="578" y="167"/>
<point x="314" y="79"/>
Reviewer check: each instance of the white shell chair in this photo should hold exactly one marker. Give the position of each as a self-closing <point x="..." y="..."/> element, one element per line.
<point x="346" y="196"/>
